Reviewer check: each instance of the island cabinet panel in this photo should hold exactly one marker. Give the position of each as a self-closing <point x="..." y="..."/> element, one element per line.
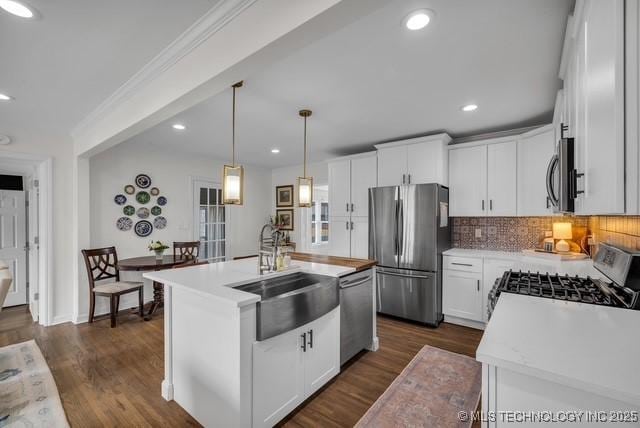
<point x="290" y="367"/>
<point x="278" y="378"/>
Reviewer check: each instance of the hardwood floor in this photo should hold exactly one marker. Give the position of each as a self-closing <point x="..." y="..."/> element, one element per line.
<point x="111" y="377"/>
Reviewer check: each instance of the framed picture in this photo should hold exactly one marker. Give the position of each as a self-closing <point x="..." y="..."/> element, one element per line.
<point x="284" y="218"/>
<point x="284" y="196"/>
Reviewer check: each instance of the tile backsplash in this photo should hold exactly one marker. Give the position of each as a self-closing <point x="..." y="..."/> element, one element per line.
<point x="617" y="230"/>
<point x="509" y="233"/>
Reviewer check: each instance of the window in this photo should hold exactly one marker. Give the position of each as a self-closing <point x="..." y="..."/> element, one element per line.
<point x="211" y="224"/>
<point x="320" y="217"/>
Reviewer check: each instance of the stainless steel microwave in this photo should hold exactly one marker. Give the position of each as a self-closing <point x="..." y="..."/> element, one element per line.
<point x="562" y="178"/>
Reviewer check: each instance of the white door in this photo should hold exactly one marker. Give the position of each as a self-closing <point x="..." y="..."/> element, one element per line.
<point x="462" y="295"/>
<point x="12" y="243"/>
<point x="468" y="182"/>
<point x="360" y="237"/>
<point x="502" y="176"/>
<point x="340" y="239"/>
<point x="278" y="377"/>
<point x="426" y="163"/>
<point x="33" y="236"/>
<point x="602" y="140"/>
<point x="322" y="357"/>
<point x="534" y="153"/>
<point x="339" y="188"/>
<point x="392" y="166"/>
<point x="210" y="221"/>
<point x="363" y="177"/>
<point x="493" y="269"/>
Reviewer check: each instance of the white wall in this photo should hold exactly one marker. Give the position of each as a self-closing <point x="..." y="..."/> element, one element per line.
<point x="60" y="149"/>
<point x="171" y="172"/>
<point x="289" y="175"/>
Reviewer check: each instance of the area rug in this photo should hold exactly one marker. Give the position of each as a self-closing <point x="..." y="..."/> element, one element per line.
<point x="432" y="391"/>
<point x="28" y="393"/>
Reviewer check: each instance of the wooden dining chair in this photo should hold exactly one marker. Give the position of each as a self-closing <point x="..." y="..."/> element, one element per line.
<point x="102" y="265"/>
<point x="188" y="250"/>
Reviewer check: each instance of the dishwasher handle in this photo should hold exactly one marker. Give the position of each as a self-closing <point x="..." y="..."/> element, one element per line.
<point x="349" y="284"/>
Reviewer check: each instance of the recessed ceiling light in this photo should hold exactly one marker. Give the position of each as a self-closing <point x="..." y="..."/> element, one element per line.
<point x="4" y="97"/>
<point x="16" y="8"/>
<point x="179" y="126"/>
<point x="275" y="150"/>
<point x="469" y="107"/>
<point x="418" y="19"/>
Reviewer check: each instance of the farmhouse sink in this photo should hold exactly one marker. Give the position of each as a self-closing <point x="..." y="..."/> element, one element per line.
<point x="289" y="301"/>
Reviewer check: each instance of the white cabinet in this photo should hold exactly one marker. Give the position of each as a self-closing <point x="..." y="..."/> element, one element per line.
<point x="462" y="295"/>
<point x="290" y="367"/>
<point x="492" y="270"/>
<point x="482" y="179"/>
<point x="350" y="179"/>
<point x="467" y="181"/>
<point x="535" y="150"/>
<point x="414" y="161"/>
<point x="501" y="179"/>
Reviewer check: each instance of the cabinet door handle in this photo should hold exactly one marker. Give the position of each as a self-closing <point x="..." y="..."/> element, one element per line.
<point x="351" y="225"/>
<point x="404" y="178"/>
<point x="347" y="208"/>
<point x="408" y="178"/>
<point x="462" y="264"/>
<point x="547" y="202"/>
<point x="311" y="339"/>
<point x="304" y="342"/>
<point x="483" y="205"/>
<point x="352" y="207"/>
<point x="491" y="204"/>
<point x="478" y="285"/>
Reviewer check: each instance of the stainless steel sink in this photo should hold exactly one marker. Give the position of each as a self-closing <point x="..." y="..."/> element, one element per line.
<point x="292" y="300"/>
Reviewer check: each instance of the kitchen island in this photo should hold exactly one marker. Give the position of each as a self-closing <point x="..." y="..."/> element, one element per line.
<point x="215" y="367"/>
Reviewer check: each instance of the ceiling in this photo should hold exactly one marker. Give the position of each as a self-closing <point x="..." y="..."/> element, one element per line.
<point x="376" y="81"/>
<point x="63" y="65"/>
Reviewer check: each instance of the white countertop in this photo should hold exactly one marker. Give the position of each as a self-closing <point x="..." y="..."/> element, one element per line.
<point x="218" y="279"/>
<point x="589" y="347"/>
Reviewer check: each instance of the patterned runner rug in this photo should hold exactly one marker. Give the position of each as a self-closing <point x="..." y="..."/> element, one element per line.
<point x="431" y="391"/>
<point x="28" y="393"/>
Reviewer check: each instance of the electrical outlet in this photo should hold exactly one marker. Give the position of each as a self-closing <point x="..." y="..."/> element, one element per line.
<point x="478" y="233"/>
<point x="548" y="233"/>
<point x="591" y="239"/>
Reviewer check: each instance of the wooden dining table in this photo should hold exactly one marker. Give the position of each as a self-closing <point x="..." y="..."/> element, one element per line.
<point x="150" y="263"/>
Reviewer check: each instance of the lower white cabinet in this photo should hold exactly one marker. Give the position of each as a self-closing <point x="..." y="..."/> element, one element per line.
<point x="462" y="294"/>
<point x="492" y="270"/>
<point x="290" y="367"/>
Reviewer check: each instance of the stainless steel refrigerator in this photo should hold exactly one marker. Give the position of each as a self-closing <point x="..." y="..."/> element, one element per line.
<point x="408" y="231"/>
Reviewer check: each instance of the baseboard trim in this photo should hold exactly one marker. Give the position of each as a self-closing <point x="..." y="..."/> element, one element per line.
<point x="60" y="319"/>
<point x="167" y="390"/>
<point x="464" y="322"/>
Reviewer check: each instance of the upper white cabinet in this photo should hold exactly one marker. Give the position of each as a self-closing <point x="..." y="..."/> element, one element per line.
<point x="414" y="161"/>
<point x="483" y="179"/>
<point x="535" y="149"/>
<point x="593" y="70"/>
<point x="467" y="181"/>
<point x="349" y="183"/>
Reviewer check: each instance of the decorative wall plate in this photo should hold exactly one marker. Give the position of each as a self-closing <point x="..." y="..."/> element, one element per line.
<point x="124" y="223"/>
<point x="160" y="222"/>
<point x="143" y="197"/>
<point x="143" y="212"/>
<point x="143" y="228"/>
<point x="129" y="189"/>
<point x="156" y="210"/>
<point x="154" y="191"/>
<point x="162" y="201"/>
<point x="129" y="210"/>
<point x="143" y="181"/>
<point x="120" y="199"/>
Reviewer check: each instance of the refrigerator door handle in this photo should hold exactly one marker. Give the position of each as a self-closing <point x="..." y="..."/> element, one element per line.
<point x="400" y="228"/>
<point x="404" y="275"/>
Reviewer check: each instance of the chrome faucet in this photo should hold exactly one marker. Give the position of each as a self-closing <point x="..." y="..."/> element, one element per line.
<point x="268" y="248"/>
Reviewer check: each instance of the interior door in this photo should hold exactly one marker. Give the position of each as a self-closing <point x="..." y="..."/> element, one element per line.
<point x="468" y="181"/>
<point x="363" y="177"/>
<point x="502" y="179"/>
<point x="13" y="242"/>
<point x="417" y="225"/>
<point x="383" y="227"/>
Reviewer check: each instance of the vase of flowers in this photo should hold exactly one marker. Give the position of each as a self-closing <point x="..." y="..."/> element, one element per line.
<point x="158" y="248"/>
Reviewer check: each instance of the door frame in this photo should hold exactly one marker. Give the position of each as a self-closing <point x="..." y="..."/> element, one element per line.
<point x="43" y="166"/>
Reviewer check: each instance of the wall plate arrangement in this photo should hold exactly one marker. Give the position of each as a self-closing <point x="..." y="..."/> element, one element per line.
<point x="144" y="227"/>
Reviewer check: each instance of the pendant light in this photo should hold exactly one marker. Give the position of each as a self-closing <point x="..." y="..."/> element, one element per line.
<point x="305" y="184"/>
<point x="233" y="175"/>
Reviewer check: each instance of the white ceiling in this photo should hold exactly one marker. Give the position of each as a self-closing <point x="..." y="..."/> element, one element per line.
<point x="375" y="81"/>
<point x="60" y="67"/>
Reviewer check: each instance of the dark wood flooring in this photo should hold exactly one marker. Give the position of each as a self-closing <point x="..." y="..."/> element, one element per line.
<point x="111" y="377"/>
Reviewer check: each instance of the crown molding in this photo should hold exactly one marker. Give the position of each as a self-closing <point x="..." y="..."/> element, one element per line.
<point x="205" y="27"/>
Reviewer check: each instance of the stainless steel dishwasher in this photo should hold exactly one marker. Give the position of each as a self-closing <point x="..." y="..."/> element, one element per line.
<point x="356" y="313"/>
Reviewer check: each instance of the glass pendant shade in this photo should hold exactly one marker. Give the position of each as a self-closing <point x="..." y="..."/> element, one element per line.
<point x="232" y="185"/>
<point x="305" y="191"/>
